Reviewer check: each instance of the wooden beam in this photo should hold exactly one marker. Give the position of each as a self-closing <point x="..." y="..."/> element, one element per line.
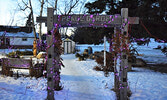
<point x="133" y="20"/>
<point x="124" y="57"/>
<point x="50" y="58"/>
<point x="84" y="20"/>
<point x="89" y="20"/>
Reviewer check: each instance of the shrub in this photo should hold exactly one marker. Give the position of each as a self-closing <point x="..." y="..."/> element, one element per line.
<point x="27" y="53"/>
<point x="97" y="68"/>
<point x="77" y="55"/>
<point x="17" y="54"/>
<point x="109" y="63"/>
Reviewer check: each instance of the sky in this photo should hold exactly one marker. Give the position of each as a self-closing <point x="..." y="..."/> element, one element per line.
<point x="11" y="16"/>
<point x="6" y="11"/>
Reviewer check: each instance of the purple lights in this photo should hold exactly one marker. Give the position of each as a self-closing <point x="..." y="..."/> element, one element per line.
<point x="91" y="16"/>
<point x="56" y="25"/>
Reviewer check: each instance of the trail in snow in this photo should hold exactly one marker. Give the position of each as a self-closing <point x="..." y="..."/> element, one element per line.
<point x="84" y="84"/>
<point x="81" y="82"/>
<point x="78" y="78"/>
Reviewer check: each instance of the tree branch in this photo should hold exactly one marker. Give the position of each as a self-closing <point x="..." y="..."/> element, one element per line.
<point x="72" y="6"/>
<point x="23" y="9"/>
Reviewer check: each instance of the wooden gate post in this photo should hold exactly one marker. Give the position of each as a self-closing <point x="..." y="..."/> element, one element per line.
<point x="50" y="57"/>
<point x="124" y="56"/>
<point x="116" y="73"/>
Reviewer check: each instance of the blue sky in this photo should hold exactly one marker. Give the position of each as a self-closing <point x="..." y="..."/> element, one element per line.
<point x="9" y="11"/>
<point x="6" y="10"/>
<point x="10" y="7"/>
<point x="11" y="16"/>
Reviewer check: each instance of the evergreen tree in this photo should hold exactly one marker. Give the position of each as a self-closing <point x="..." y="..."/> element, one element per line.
<point x="91" y="35"/>
<point x="152" y="13"/>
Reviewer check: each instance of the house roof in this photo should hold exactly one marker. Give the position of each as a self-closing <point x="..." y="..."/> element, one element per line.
<point x="16" y="31"/>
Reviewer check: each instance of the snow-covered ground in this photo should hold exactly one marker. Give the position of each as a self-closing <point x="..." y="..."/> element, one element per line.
<point x="81" y="82"/>
<point x="150" y="54"/>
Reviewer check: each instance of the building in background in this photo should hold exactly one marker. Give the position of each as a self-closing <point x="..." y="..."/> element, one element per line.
<point x="68" y="46"/>
<point x="15" y="37"/>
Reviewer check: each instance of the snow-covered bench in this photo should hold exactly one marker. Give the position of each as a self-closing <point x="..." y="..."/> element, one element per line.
<point x="18" y="63"/>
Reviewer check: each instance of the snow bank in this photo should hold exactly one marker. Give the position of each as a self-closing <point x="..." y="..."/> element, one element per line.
<point x="150" y="54"/>
<point x="147" y="85"/>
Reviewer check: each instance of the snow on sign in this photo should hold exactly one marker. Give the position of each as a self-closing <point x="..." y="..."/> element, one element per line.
<point x="89" y="20"/>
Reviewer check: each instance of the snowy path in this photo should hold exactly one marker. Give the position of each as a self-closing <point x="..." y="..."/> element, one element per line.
<point x="78" y="78"/>
<point x="82" y="82"/>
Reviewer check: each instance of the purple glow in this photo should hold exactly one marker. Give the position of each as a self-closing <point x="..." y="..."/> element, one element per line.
<point x="116" y="74"/>
<point x="49" y="88"/>
<point x="91" y="24"/>
<point x="91" y="16"/>
<point x="126" y="67"/>
<point x="56" y="25"/>
<point x="105" y="25"/>
<point x="109" y="21"/>
<point x="126" y="19"/>
<point x="93" y="20"/>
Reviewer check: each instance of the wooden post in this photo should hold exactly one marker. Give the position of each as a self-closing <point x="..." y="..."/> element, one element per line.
<point x="124" y="57"/>
<point x="50" y="56"/>
<point x="104" y="51"/>
<point x="116" y="69"/>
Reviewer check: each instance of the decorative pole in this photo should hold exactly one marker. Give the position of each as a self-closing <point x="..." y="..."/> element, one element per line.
<point x="50" y="56"/>
<point x="104" y="51"/>
<point x="124" y="56"/>
<point x="116" y="47"/>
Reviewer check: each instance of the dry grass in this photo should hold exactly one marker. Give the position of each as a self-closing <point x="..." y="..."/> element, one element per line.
<point x="97" y="68"/>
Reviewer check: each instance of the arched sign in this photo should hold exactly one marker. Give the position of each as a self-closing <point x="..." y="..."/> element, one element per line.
<point x="116" y="20"/>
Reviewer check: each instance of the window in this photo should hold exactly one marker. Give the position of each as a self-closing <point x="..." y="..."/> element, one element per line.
<point x="24" y="39"/>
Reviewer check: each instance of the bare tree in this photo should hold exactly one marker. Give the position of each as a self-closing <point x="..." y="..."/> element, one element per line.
<point x="67" y="6"/>
<point x="33" y="23"/>
<point x="28" y="5"/>
<point x="40" y="24"/>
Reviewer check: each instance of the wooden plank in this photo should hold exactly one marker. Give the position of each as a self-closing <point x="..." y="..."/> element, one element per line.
<point x="17" y="63"/>
<point x="41" y="19"/>
<point x="124" y="57"/>
<point x="50" y="58"/>
<point x="84" y="20"/>
<point x="133" y="20"/>
<point x="50" y="19"/>
<point x="111" y="19"/>
<point x="89" y="20"/>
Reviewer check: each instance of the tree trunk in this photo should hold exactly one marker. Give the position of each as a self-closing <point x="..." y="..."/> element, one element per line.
<point x="40" y="24"/>
<point x="32" y="15"/>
